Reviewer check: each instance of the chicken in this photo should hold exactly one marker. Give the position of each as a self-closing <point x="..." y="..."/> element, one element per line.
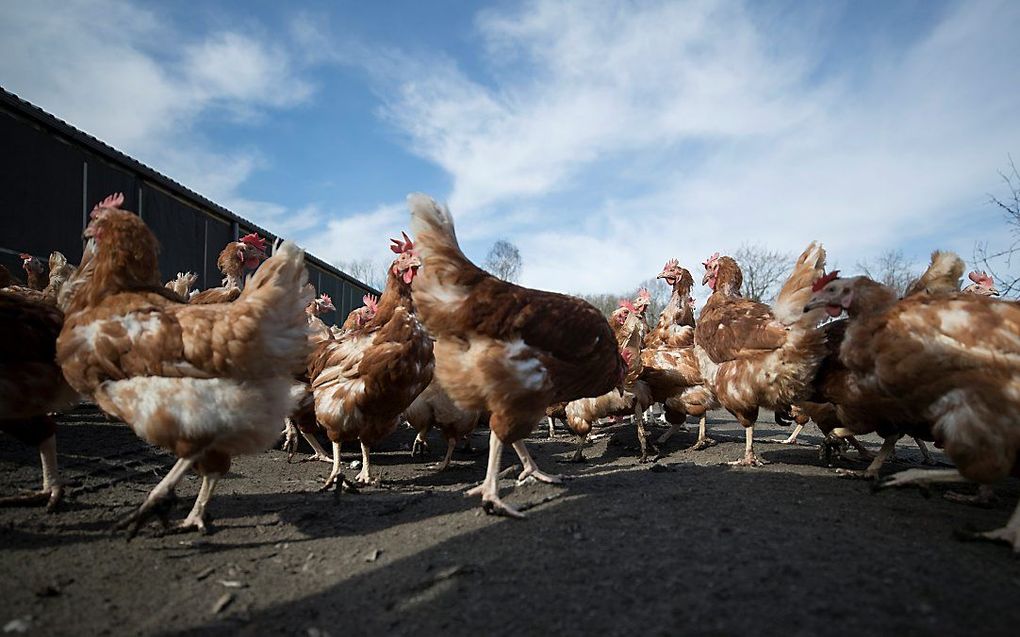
<point x="753" y="356"/>
<point x="670" y="366"/>
<point x="940" y="278"/>
<point x="206" y="382"/>
<point x="32" y="386"/>
<point x="367" y="377"/>
<point x="303" y="418"/>
<point x="627" y="323"/>
<point x="556" y="411"/>
<point x="182" y="284"/>
<point x="951" y="362"/>
<point x="433" y="408"/>
<point x="676" y="323"/>
<point x="982" y="285"/>
<point x="359" y="316"/>
<point x="60" y="272"/>
<point x="503" y="348"/>
<point x="35" y="271"/>
<point x="235" y="259"/>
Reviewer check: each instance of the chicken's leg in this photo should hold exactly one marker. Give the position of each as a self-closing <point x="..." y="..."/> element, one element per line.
<point x="197" y="518"/>
<point x="925" y="454"/>
<point x="1009" y="534"/>
<point x="52" y="490"/>
<point x="489" y="488"/>
<point x="320" y="453"/>
<point x="364" y="477"/>
<point x="642" y="433"/>
<point x="704" y="442"/>
<point x="888" y="445"/>
<point x="792" y="440"/>
<point x="337" y="474"/>
<point x="673" y="429"/>
<point x="450" y="444"/>
<point x="552" y="427"/>
<point x="159" y="499"/>
<point x="579" y="452"/>
<point x="749" y="459"/>
<point x="863" y="451"/>
<point x="420" y="446"/>
<point x="984" y="497"/>
<point x="530" y="468"/>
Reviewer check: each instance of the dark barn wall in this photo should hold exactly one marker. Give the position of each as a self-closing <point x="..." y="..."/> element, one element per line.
<point x="51" y="175"/>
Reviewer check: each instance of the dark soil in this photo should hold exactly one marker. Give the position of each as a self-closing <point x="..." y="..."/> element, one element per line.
<point x="683" y="546"/>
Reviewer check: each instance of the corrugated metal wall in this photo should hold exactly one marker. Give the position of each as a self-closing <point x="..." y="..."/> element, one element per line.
<point x="52" y="174"/>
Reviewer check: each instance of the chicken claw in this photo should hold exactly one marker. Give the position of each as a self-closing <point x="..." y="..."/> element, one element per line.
<point x="159" y="507"/>
<point x="749" y="460"/>
<point x="317" y="457"/>
<point x="51" y="497"/>
<point x="492" y="504"/>
<point x="922" y="478"/>
<point x="703" y="443"/>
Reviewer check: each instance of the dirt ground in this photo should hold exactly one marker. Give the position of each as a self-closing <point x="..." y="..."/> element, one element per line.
<point x="683" y="546"/>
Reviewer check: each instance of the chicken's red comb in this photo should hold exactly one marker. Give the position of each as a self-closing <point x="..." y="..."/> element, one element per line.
<point x="113" y="201"/>
<point x="626" y="303"/>
<point x="825" y="280"/>
<point x="26" y="256"/>
<point x="325" y="298"/>
<point x="979" y="277"/>
<point x="644" y="295"/>
<point x="711" y="260"/>
<point x="401" y="247"/>
<point x="255" y="241"/>
<point x="672" y="263"/>
<point x="371" y="302"/>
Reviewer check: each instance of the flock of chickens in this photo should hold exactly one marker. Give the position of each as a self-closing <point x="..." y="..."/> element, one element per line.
<point x="213" y="374"/>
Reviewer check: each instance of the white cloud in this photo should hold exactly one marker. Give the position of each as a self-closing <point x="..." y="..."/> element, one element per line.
<point x="640" y="131"/>
<point x="130" y="77"/>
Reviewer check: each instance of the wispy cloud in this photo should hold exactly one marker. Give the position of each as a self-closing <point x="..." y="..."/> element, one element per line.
<point x="650" y="130"/>
<point x="133" y="78"/>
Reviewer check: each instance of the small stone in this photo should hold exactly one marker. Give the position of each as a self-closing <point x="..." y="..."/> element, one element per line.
<point x="373" y="555"/>
<point x="222" y="603"/>
<point x="355" y="464"/>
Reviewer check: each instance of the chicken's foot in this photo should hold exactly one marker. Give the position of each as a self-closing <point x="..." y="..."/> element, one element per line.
<point x="704" y="442"/>
<point x="922" y="478"/>
<point x="871" y="473"/>
<point x="1009" y="534"/>
<point x="337" y="475"/>
<point x="198" y="520"/>
<point x="531" y="469"/>
<point x="749" y="459"/>
<point x="450" y="444"/>
<point x="673" y="429"/>
<point x="792" y="440"/>
<point x="52" y="490"/>
<point x="489" y="488"/>
<point x="160" y="500"/>
<point x="985" y="497"/>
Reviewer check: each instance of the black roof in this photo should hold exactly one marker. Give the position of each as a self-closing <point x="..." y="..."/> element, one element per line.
<point x="59" y="127"/>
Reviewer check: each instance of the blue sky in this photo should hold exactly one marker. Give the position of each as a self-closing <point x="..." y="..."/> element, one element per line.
<point x="602" y="137"/>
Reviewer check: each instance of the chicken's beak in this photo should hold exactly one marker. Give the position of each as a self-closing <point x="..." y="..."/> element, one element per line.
<point x="816" y="302"/>
<point x="705" y="279"/>
<point x="993" y="291"/>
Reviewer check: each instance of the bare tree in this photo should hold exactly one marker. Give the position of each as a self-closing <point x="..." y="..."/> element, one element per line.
<point x="764" y="271"/>
<point x="504" y="261"/>
<point x="999" y="262"/>
<point x="604" y="302"/>
<point x="367" y="271"/>
<point x="890" y="268"/>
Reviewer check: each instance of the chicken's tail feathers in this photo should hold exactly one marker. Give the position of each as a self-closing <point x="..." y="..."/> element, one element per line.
<point x="810" y="266"/>
<point x="432" y="225"/>
<point x="943" y="274"/>
<point x="278" y="289"/>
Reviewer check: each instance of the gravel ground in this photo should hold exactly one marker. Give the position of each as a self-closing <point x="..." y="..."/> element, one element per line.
<point x="687" y="545"/>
